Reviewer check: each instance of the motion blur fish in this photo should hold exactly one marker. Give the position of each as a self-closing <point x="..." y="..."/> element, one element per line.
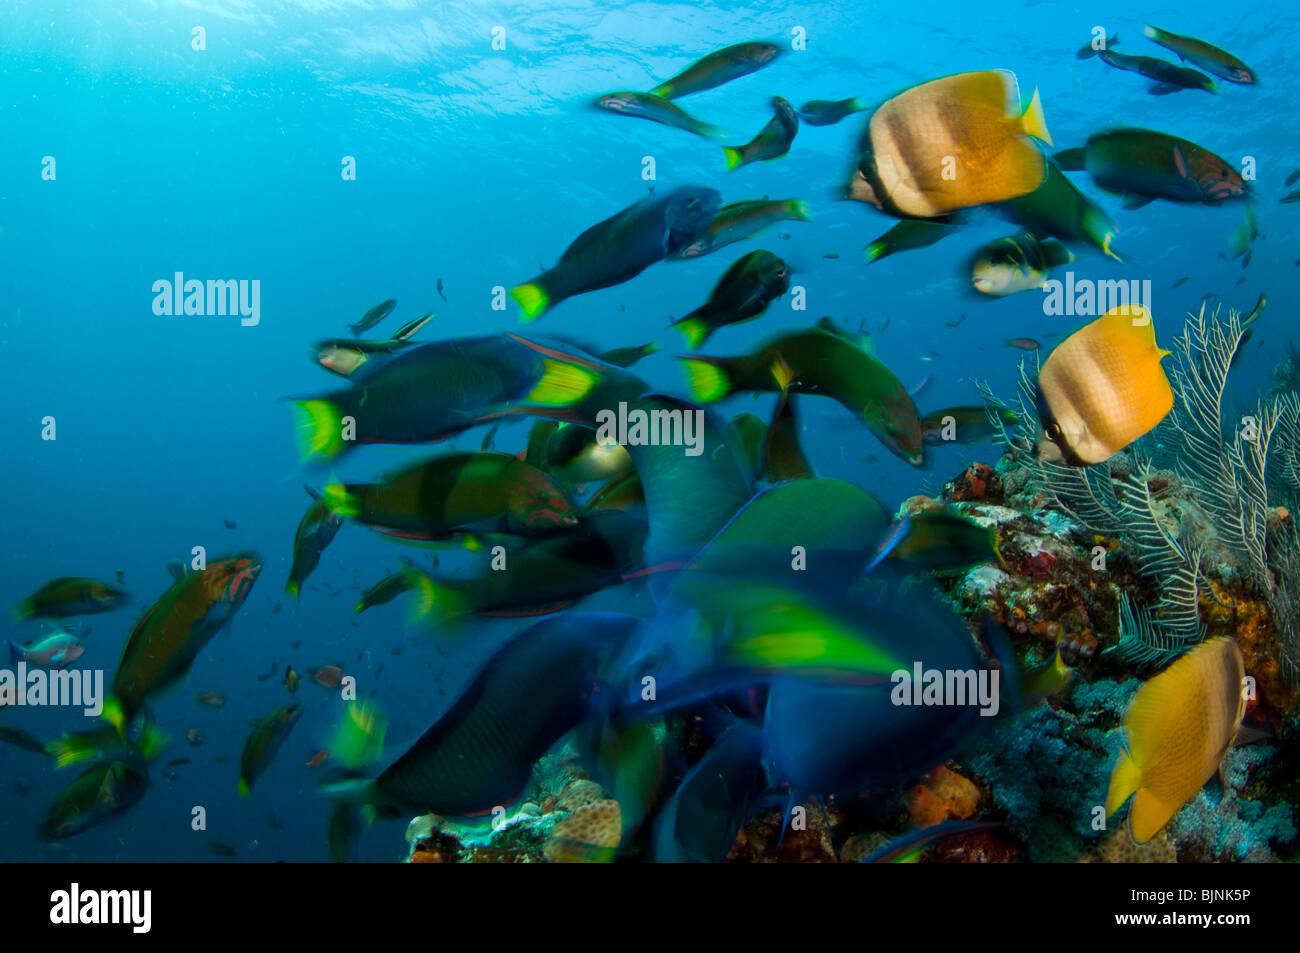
<point x="263" y="743"/>
<point x="327" y="676"/>
<point x="56" y="649"/>
<point x="907" y="235"/>
<point x="165" y="642"/>
<point x="373" y="316"/>
<point x="392" y="586"/>
<point x="1059" y="209"/>
<point x="100" y="793"/>
<point x="1096" y="45"/>
<point x="1143" y="165"/>
<point x="143" y="739"/>
<point x="434" y="391"/>
<point x="773" y="140"/>
<point x="740" y="220"/>
<point x="941" y="541"/>
<point x="69" y="596"/>
<point x="457" y="492"/>
<point x="1179" y="725"/>
<point x="948" y="144"/>
<point x="743" y="293"/>
<point x="479" y="754"/>
<point x="783" y="457"/>
<point x="346" y="356"/>
<point x="1017" y="263"/>
<point x="22" y="740"/>
<point x="1219" y="62"/>
<point x="621" y="247"/>
<point x="1169" y="77"/>
<point x="1102" y="388"/>
<point x="212" y="699"/>
<point x="720" y="66"/>
<point x="827" y="112"/>
<point x="577" y="455"/>
<point x="628" y="356"/>
<point x="315" y="531"/>
<point x="963" y="424"/>
<point x="815" y="361"/>
<point x="656" y="109"/>
<point x="358" y="740"/>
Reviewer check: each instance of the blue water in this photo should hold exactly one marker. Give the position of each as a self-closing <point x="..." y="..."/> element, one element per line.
<point x="477" y="167"/>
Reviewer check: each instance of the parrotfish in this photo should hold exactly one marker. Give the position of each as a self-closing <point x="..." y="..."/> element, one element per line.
<point x="263" y="743"/>
<point x="720" y="66"/>
<point x="656" y="109"/>
<point x="69" y="596"/>
<point x="772" y="141"/>
<point x="373" y="316"/>
<point x="1059" y="209"/>
<point x="315" y="531"/>
<point x="1016" y="263"/>
<point x="907" y="235"/>
<point x="1169" y="77"/>
<point x="1143" y="165"/>
<point x="1207" y="57"/>
<point x="98" y="794"/>
<point x="621" y="247"/>
<point x="827" y="112"/>
<point x="743" y="293"/>
<point x="56" y="649"/>
<point x="740" y="220"/>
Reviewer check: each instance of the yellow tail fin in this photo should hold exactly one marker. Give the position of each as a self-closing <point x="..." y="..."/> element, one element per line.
<point x="1032" y="122"/>
<point x="1124" y="780"/>
<point x="532" y="301"/>
<point x="708" y="381"/>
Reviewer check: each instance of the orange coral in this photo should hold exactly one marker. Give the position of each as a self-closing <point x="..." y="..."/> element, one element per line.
<point x="942" y="795"/>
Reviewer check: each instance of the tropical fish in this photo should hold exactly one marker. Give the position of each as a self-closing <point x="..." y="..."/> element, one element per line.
<point x="165" y="642"/>
<point x="772" y="141"/>
<point x="194" y="737"/>
<point x="1096" y="45"/>
<point x="816" y="361"/>
<point x="315" y="531"/>
<point x="413" y="327"/>
<point x="1293" y="178"/>
<point x="479" y="754"/>
<point x="740" y="220"/>
<point x="359" y="738"/>
<point x="827" y="112"/>
<point x="291" y="680"/>
<point x="905" y="164"/>
<point x="656" y="109"/>
<point x="346" y="356"/>
<point x="316" y="760"/>
<point x="212" y="699"/>
<point x="327" y="676"/>
<point x="964" y="424"/>
<point x="436" y="390"/>
<point x="1179" y="726"/>
<point x="392" y="586"/>
<point x="69" y="596"/>
<point x="438" y="288"/>
<point x="621" y="247"/>
<point x="1243" y="236"/>
<point x="1059" y="209"/>
<point x="1180" y="281"/>
<point x="907" y="235"/>
<point x="1023" y="344"/>
<point x="57" y="649"/>
<point x="720" y="66"/>
<point x="908" y="846"/>
<point x="1289" y="198"/>
<point x="98" y="794"/>
<point x="439" y="497"/>
<point x="1017" y="263"/>
<point x="577" y="454"/>
<point x="22" y="740"/>
<point x="743" y="293"/>
<point x="1144" y="165"/>
<point x="263" y="743"/>
<point x="1169" y="76"/>
<point x="373" y="316"/>
<point x="1102" y="388"/>
<point x="1207" y="57"/>
<point x="940" y="541"/>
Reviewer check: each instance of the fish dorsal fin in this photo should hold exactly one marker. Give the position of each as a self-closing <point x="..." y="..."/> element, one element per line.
<point x="1131" y="323"/>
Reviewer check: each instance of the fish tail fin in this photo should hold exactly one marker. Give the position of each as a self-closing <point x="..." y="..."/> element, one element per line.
<point x="15" y="653"/>
<point x="799" y="209"/>
<point x="1101" y="230"/>
<point x="781" y="373"/>
<point x="735" y="158"/>
<point x="426" y="595"/>
<point x="115" y="714"/>
<point x="877" y="250"/>
<point x="696" y="331"/>
<point x="709" y="380"/>
<point x="1124" y="780"/>
<point x="359" y="791"/>
<point x="563" y="383"/>
<point x="340" y="501"/>
<point x="291" y="588"/>
<point x="243" y="788"/>
<point x="1032" y="122"/>
<point x="664" y="90"/>
<point x="151" y="743"/>
<point x="532" y="299"/>
<point x="1071" y="160"/>
<point x="355" y="329"/>
<point x="708" y="130"/>
<point x="1155" y="34"/>
<point x="320" y="430"/>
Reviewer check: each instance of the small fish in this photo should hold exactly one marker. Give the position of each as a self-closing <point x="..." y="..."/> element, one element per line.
<point x="941" y="542"/>
<point x="222" y="849"/>
<point x="177" y="762"/>
<point x="831" y="255"/>
<point x="98" y="794"/>
<point x="438" y="288"/>
<point x="319" y="758"/>
<point x="1293" y="178"/>
<point x="22" y="740"/>
<point x="772" y="142"/>
<point x="291" y="680"/>
<point x="965" y="424"/>
<point x="275" y="609"/>
<point x="1211" y="58"/>
<point x="1024" y="344"/>
<point x="1289" y="198"/>
<point x="59" y="649"/>
<point x="907" y="235"/>
<point x="212" y="699"/>
<point x="120" y="575"/>
<point x="720" y="66"/>
<point x="69" y="596"/>
<point x="230" y="524"/>
<point x="1240" y="281"/>
<point x="346" y="356"/>
<point x="628" y="356"/>
<point x="1179" y="725"/>
<point x="176" y="569"/>
<point x="392" y="586"/>
<point x="1096" y="45"/>
<point x="316" y="530"/>
<point x="1180" y="281"/>
<point x="1246" y="261"/>
<point x="373" y="317"/>
<point x="414" y="326"/>
<point x="263" y="743"/>
<point x="656" y="109"/>
<point x="489" y="438"/>
<point x="1169" y="77"/>
<point x="1116" y="353"/>
<point x="827" y="112"/>
<point x="740" y="220"/>
<point x="327" y="676"/>
<point x="194" y="737"/>
<point x="273" y="822"/>
<point x="743" y="293"/>
<point x="953" y="324"/>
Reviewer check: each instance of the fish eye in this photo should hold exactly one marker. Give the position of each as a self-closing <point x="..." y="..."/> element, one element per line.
<point x="1053" y="431"/>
